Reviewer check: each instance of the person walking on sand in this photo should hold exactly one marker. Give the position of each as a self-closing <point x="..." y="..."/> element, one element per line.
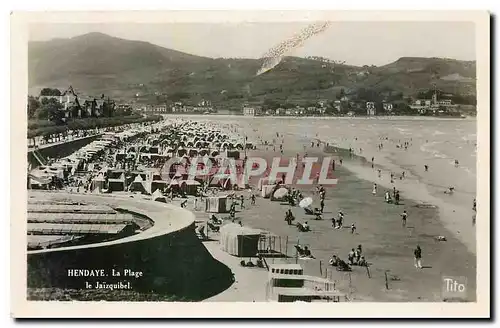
<point x="322" y="204"/>
<point x="350" y="256"/>
<point x="340" y="220"/>
<point x="418" y="257"/>
<point x="379" y="173"/>
<point x="374" y="190"/>
<point x="353" y="228"/>
<point x="404" y="216"/>
<point x="396" y="199"/>
<point x="426" y="167"/>
<point x="253" y="199"/>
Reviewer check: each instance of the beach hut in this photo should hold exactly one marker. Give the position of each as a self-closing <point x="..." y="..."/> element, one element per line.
<point x="193" y="153"/>
<point x="98" y="183"/>
<point x="239" y="241"/>
<point x="265" y="181"/>
<point x="233" y="154"/>
<point x="267" y="191"/>
<point x="38" y="182"/>
<point x="116" y="181"/>
<point x="216" y="204"/>
<point x="158" y="185"/>
<point x="189" y="186"/>
<point x="137" y="185"/>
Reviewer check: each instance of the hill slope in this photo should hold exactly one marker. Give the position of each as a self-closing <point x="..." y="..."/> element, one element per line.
<point x="96" y="63"/>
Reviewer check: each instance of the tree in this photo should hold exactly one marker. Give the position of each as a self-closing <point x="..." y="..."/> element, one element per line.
<point x="340" y="94"/>
<point x="271" y="104"/>
<point x="50" y="92"/>
<point x="33" y="105"/>
<point x="50" y="109"/>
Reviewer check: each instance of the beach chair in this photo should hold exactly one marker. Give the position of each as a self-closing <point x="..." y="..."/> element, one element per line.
<point x="308" y="211"/>
<point x="343" y="266"/>
<point x="301" y="228"/>
<point x="200" y="232"/>
<point x="213" y="227"/>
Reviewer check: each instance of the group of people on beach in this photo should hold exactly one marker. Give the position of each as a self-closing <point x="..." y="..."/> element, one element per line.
<point x="354" y="257"/>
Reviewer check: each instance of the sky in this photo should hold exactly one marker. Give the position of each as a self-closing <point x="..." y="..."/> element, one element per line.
<point x="356" y="43"/>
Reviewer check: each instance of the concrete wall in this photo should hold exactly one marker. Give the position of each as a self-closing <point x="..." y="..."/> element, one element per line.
<point x="171" y="257"/>
<point x="61" y="150"/>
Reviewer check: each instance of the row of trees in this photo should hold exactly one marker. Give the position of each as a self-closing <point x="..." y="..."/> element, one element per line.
<point x="46" y="108"/>
<point x="46" y="128"/>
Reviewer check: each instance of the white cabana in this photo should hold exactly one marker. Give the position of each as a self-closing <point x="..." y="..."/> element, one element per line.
<point x="239" y="241"/>
<point x="216" y="204"/>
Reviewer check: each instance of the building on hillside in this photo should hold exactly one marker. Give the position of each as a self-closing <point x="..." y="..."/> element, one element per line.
<point x="387" y="107"/>
<point x="433" y="105"/>
<point x="337" y="105"/>
<point x="204" y="103"/>
<point x="252" y="110"/>
<point x="160" y="109"/>
<point x="370" y="108"/>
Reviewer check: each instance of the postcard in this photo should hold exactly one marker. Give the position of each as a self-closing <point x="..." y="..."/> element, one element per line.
<point x="223" y="164"/>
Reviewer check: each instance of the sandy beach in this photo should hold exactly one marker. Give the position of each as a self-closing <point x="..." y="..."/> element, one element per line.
<point x="388" y="246"/>
<point x="434" y="142"/>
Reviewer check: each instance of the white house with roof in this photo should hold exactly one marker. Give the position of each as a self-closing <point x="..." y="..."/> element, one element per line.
<point x="370" y="108"/>
<point x="252" y="110"/>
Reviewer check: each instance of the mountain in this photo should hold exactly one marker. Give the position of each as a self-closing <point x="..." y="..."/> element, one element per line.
<point x="96" y="63"/>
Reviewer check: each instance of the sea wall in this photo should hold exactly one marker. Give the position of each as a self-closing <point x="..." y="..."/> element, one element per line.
<point x="170" y="256"/>
<point x="58" y="150"/>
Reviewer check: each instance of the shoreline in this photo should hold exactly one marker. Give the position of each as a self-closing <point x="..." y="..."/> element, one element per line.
<point x="417" y="191"/>
<point x="354" y="197"/>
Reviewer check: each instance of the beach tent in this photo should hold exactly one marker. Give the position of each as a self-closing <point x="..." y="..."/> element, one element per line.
<point x="265" y="181"/>
<point x="189" y="186"/>
<point x="224" y="183"/>
<point x="193" y="153"/>
<point x="158" y="185"/>
<point x="158" y="196"/>
<point x="137" y="185"/>
<point x="216" y="204"/>
<point x="98" y="183"/>
<point x="233" y="154"/>
<point x="267" y="191"/>
<point x="38" y="182"/>
<point x="239" y="241"/>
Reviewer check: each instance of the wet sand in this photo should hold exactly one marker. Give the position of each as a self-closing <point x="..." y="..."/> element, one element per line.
<point x="386" y="244"/>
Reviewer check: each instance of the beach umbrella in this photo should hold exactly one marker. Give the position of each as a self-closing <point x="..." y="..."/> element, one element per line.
<point x="306" y="202"/>
<point x="280" y="193"/>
